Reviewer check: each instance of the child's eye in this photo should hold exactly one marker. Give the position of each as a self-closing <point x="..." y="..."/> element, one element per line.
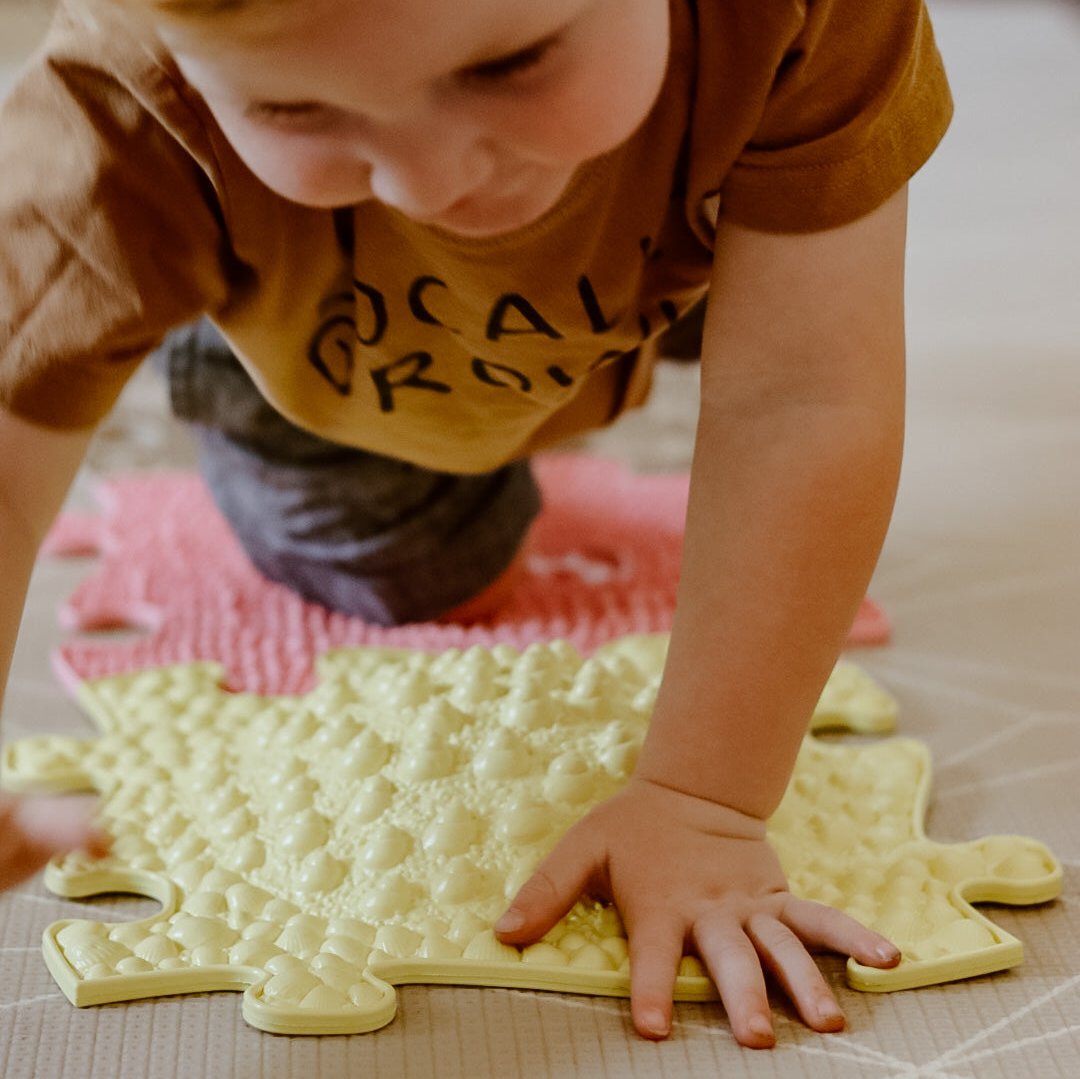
<point x="288" y="112"/>
<point x="516" y="63"/>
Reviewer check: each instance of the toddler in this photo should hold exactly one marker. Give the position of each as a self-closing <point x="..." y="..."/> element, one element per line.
<point x="435" y="236"/>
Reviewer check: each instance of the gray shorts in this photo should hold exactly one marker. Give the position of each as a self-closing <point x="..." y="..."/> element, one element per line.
<point x="358" y="532"/>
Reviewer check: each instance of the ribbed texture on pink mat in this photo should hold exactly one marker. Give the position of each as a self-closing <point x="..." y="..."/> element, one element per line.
<point x="602" y="561"/>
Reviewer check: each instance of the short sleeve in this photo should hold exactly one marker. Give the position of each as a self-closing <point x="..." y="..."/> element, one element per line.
<point x="858" y="102"/>
<point x="109" y="236"/>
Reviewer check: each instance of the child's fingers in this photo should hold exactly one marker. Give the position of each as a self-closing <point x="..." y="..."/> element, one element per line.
<point x="786" y="956"/>
<point x="656" y="947"/>
<point x="548" y="894"/>
<point x="32" y="830"/>
<point x="822" y="927"/>
<point x="58" y="823"/>
<point x="734" y="965"/>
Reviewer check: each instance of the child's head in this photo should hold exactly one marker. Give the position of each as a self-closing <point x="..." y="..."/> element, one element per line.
<point x="469" y="114"/>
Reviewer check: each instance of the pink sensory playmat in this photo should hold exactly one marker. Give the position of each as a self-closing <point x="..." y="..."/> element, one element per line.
<point x="602" y="561"/>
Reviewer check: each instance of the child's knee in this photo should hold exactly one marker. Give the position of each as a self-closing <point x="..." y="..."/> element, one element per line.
<point x="375" y="538"/>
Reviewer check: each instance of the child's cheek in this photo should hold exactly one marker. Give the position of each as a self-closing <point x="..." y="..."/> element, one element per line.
<point x="305" y="170"/>
<point x="584" y="125"/>
<point x="599" y="108"/>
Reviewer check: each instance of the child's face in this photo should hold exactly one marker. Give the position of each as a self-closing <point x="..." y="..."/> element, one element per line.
<point x="471" y="115"/>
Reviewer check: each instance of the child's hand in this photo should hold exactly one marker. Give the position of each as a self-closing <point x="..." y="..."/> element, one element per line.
<point x="688" y="872"/>
<point x="32" y="830"/>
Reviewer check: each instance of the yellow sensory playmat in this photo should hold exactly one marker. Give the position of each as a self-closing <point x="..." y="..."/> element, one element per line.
<point x="316" y="851"/>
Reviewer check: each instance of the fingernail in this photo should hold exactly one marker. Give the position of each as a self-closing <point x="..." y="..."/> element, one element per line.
<point x="760" y="1026"/>
<point x="830" y="1013"/>
<point x="99" y="845"/>
<point x="510" y="922"/>
<point x="656" y="1024"/>
<point x="889" y="954"/>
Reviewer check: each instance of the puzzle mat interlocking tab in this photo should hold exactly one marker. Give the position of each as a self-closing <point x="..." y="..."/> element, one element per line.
<point x="315" y="851"/>
<point x="602" y="561"/>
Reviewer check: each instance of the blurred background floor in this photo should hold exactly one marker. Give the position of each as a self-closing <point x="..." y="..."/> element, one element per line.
<point x="979" y="574"/>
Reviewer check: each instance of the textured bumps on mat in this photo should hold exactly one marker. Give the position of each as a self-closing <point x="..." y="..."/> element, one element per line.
<point x="602" y="561"/>
<point x="315" y="851"/>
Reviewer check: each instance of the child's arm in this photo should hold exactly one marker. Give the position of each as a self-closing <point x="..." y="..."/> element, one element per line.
<point x="36" y="469"/>
<point x="794" y="474"/>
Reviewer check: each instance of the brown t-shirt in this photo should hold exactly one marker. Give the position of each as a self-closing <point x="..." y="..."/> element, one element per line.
<point x="124" y="212"/>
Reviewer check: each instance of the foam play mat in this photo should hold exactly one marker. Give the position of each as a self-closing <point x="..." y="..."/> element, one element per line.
<point x="316" y="851"/>
<point x="602" y="561"/>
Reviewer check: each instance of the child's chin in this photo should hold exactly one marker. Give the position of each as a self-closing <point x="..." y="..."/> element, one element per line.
<point x="479" y="229"/>
<point x="478" y="219"/>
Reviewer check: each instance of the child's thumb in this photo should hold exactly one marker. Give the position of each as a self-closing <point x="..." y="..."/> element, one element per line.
<point x="547" y="895"/>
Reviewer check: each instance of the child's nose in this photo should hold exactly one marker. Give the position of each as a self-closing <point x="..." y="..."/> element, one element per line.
<point x="425" y="174"/>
